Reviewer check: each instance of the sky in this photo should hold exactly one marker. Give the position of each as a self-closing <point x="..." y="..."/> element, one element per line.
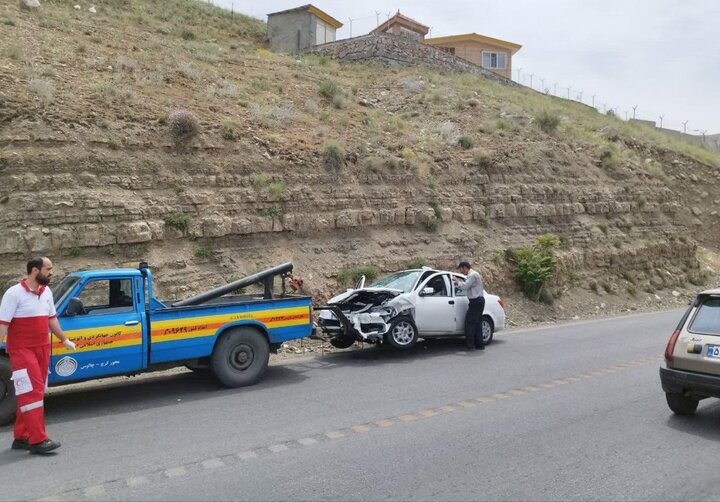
<point x="660" y="56"/>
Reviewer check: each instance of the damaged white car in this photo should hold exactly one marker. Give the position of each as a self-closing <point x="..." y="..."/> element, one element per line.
<point x="402" y="307"/>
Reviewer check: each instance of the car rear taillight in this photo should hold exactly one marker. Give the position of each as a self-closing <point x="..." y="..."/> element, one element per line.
<point x="670" y="347"/>
<point x="502" y="305"/>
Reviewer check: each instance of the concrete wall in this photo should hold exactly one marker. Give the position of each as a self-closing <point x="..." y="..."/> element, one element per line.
<point x="389" y="50"/>
<point x="291" y="31"/>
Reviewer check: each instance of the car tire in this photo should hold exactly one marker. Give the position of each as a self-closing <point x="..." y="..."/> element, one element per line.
<point x="402" y="334"/>
<point x="342" y="342"/>
<point x="240" y="357"/>
<point x="488" y="329"/>
<point x="680" y="404"/>
<point x="7" y="392"/>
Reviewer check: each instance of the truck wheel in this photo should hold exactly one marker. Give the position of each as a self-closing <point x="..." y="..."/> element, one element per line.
<point x="7" y="392"/>
<point x="240" y="357"/>
<point x="341" y="342"/>
<point x="681" y="405"/>
<point x="486" y="325"/>
<point x="402" y="333"/>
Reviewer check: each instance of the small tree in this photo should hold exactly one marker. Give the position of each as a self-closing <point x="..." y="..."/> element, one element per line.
<point x="535" y="265"/>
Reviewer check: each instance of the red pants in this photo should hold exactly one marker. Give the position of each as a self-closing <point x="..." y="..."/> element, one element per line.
<point x="30" y="419"/>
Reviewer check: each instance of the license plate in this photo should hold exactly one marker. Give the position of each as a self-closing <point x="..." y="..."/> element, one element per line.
<point x="713" y="351"/>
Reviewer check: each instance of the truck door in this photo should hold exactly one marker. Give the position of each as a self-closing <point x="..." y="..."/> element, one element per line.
<point x="104" y="320"/>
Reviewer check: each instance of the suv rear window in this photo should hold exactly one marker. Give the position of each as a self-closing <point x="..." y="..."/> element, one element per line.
<point x="707" y="319"/>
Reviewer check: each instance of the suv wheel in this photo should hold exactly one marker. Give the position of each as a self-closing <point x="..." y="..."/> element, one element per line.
<point x="681" y="405"/>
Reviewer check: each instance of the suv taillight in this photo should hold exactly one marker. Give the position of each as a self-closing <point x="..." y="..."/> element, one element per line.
<point x="670" y="347"/>
<point x="502" y="305"/>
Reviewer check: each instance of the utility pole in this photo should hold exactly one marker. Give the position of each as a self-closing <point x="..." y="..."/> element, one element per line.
<point x="685" y="126"/>
<point x="531" y="76"/>
<point x="568" y="89"/>
<point x="661" y="120"/>
<point x="626" y="115"/>
<point x="593" y="101"/>
<point x="542" y="84"/>
<point x="519" y="70"/>
<point x="377" y="17"/>
<point x="634" y="108"/>
<point x="351" y="20"/>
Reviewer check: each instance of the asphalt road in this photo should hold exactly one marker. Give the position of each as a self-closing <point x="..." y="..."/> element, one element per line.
<point x="565" y="412"/>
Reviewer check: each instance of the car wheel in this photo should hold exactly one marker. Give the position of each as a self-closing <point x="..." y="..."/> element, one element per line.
<point x="240" y="357"/>
<point x="341" y="342"/>
<point x="487" y="327"/>
<point x="7" y="392"/>
<point x="402" y="333"/>
<point x="680" y="404"/>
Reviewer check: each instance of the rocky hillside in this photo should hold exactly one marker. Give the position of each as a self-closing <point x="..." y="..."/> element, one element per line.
<point x="330" y="166"/>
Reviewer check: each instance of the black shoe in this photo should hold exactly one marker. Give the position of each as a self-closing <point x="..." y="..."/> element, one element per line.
<point x="45" y="447"/>
<point x="20" y="444"/>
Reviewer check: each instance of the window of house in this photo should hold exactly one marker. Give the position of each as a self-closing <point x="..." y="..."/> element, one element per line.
<point x="494" y="60"/>
<point x="412" y="35"/>
<point x="449" y="50"/>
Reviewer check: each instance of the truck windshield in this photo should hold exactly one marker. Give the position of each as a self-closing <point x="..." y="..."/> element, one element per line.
<point x="400" y="280"/>
<point x="63" y="288"/>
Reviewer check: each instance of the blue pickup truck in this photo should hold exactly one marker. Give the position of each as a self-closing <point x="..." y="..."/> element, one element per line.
<point x="120" y="328"/>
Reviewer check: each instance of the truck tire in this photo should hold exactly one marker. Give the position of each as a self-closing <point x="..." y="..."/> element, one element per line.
<point x="681" y="405"/>
<point x="7" y="392"/>
<point x="341" y="342"/>
<point x="240" y="357"/>
<point x="402" y="334"/>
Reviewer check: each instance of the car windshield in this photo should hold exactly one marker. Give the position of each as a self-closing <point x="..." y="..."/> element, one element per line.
<point x="400" y="280"/>
<point x="63" y="288"/>
<point x="707" y="319"/>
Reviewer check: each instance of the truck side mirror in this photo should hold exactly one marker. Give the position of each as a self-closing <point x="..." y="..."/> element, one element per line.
<point x="75" y="307"/>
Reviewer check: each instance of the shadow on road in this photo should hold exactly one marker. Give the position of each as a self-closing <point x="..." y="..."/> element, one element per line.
<point x="704" y="423"/>
<point x="152" y="390"/>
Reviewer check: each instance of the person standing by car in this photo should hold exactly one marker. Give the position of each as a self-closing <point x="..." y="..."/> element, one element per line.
<point x="27" y="315"/>
<point x="473" y="288"/>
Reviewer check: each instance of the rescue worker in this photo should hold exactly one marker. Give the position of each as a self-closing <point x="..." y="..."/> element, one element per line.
<point x="27" y="315"/>
<point x="473" y="288"/>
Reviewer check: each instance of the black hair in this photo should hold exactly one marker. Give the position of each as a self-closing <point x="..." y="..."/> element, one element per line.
<point x="35" y="263"/>
<point x="464" y="264"/>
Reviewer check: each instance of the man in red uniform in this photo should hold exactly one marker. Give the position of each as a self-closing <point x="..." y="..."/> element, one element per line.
<point x="27" y="315"/>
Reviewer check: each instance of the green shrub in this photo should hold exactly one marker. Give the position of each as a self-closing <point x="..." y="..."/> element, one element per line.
<point x="482" y="160"/>
<point x="75" y="251"/>
<point x="632" y="289"/>
<point x="260" y="181"/>
<point x="432" y="224"/>
<point x="272" y="212"/>
<point x="203" y="252"/>
<point x="593" y="286"/>
<point x="354" y="274"/>
<point x="534" y="265"/>
<point x="229" y="131"/>
<point x="187" y="35"/>
<point x="607" y="287"/>
<point x="416" y="263"/>
<point x="465" y="142"/>
<point x="603" y="227"/>
<point x="548" y="122"/>
<point x="329" y="89"/>
<point x="333" y="156"/>
<point x="608" y="159"/>
<point x="178" y="221"/>
<point x="436" y="209"/>
<point x="276" y="188"/>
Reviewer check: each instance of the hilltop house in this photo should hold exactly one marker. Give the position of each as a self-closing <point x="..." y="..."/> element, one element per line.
<point x="490" y="53"/>
<point x="403" y="26"/>
<point x="296" y="29"/>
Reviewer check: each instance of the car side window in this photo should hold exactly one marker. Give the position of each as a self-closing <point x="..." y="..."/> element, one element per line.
<point x="107" y="296"/>
<point x="440" y="284"/>
<point x="459" y="292"/>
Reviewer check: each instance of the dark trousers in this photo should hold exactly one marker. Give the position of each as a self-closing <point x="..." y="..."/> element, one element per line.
<point x="473" y="324"/>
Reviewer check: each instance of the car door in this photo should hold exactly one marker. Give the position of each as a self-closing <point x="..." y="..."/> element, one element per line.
<point x="461" y="306"/>
<point x="104" y="321"/>
<point x="435" y="310"/>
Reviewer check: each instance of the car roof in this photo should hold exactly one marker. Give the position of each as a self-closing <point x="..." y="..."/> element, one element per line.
<point x="113" y="272"/>
<point x="715" y="291"/>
